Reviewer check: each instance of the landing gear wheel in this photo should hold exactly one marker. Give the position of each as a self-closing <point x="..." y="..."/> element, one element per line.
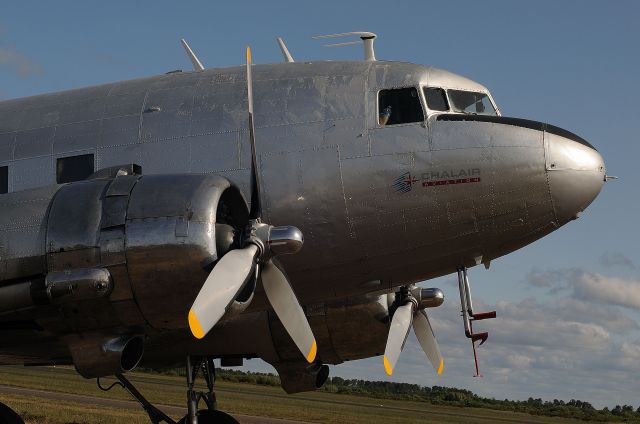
<point x="206" y="416"/>
<point x="8" y="416"/>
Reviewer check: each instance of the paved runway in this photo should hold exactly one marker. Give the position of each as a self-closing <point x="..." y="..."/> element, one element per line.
<point x="128" y="404"/>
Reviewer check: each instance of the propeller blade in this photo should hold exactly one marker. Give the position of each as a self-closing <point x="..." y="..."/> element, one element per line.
<point x="397" y="335"/>
<point x="256" y="207"/>
<point x="285" y="304"/>
<point x="427" y="339"/>
<point x="221" y="287"/>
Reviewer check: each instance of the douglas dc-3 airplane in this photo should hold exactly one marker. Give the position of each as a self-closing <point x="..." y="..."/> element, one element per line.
<point x="152" y="221"/>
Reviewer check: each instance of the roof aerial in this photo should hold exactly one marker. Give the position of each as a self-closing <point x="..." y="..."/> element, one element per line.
<point x="366" y="37"/>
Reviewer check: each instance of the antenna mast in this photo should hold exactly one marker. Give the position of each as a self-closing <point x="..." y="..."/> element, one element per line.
<point x="285" y="51"/>
<point x="366" y="37"/>
<point x="197" y="65"/>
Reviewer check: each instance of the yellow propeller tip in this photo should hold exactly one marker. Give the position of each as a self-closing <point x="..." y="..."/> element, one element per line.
<point x="312" y="353"/>
<point x="194" y="325"/>
<point x="387" y="366"/>
<point x="248" y="54"/>
<point x="441" y="367"/>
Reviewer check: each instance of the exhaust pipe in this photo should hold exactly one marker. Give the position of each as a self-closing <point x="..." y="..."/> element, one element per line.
<point x="100" y="355"/>
<point x="298" y="376"/>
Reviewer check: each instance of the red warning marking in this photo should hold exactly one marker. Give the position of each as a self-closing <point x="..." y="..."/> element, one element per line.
<point x="449" y="182"/>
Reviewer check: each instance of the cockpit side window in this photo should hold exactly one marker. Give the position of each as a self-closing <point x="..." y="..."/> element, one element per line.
<point x="436" y="99"/>
<point x="399" y="106"/>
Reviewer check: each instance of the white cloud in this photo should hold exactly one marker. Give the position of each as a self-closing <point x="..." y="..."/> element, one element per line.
<point x="575" y="343"/>
<point x="560" y="346"/>
<point x="520" y="361"/>
<point x="19" y="64"/>
<point x="627" y="358"/>
<point x="592" y="287"/>
<point x="612" y="319"/>
<point x="611" y="290"/>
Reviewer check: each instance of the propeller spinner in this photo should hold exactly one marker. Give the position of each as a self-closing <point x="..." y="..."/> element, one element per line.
<point x="411" y="313"/>
<point x="236" y="268"/>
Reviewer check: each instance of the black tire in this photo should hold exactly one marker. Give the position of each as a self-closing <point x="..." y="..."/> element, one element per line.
<point x="206" y="416"/>
<point x="8" y="415"/>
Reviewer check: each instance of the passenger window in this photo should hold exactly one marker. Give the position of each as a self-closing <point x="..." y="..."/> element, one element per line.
<point x="74" y="168"/>
<point x="4" y="179"/>
<point x="436" y="99"/>
<point x="399" y="106"/>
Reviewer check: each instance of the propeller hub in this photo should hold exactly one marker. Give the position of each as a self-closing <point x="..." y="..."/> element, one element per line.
<point x="285" y="240"/>
<point x="428" y="298"/>
<point x="273" y="241"/>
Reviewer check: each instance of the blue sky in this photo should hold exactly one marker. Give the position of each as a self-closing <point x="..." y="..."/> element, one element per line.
<point x="574" y="64"/>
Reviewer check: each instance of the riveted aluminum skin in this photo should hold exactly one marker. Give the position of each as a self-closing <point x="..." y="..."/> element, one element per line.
<point x="23" y="229"/>
<point x="74" y="226"/>
<point x="576" y="175"/>
<point x="473" y="190"/>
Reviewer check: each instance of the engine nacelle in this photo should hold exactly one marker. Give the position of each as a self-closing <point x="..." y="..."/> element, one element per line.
<point x="345" y="329"/>
<point x="118" y="253"/>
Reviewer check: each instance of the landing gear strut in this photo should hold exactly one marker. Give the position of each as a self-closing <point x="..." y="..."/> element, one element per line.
<point x="468" y="316"/>
<point x="211" y="414"/>
<point x="194" y="416"/>
<point x="156" y="415"/>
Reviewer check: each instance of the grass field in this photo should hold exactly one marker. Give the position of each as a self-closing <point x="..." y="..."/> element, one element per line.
<point x="234" y="398"/>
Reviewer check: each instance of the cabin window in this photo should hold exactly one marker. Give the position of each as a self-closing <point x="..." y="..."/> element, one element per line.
<point x="471" y="102"/>
<point x="399" y="106"/>
<point x="74" y="168"/>
<point x="4" y="179"/>
<point x="436" y="99"/>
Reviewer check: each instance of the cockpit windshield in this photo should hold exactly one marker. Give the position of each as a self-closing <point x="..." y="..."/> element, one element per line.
<point x="471" y="102"/>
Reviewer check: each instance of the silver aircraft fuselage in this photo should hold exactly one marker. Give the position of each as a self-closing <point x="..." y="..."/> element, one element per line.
<point x="380" y="206"/>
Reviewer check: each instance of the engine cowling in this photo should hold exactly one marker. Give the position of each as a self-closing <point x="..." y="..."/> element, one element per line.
<point x="116" y="253"/>
<point x="171" y="240"/>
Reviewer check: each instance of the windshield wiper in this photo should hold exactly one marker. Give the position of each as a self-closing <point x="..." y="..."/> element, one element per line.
<point x="466" y="112"/>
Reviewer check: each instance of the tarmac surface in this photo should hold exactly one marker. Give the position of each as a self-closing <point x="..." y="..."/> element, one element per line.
<point x="129" y="404"/>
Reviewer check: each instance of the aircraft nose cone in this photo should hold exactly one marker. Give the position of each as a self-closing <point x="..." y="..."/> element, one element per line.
<point x="576" y="174"/>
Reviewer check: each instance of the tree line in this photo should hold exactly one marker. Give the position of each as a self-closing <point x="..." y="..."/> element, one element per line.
<point x="449" y="396"/>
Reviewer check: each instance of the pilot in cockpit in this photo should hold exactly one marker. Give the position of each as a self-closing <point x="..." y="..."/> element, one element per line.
<point x="385" y="115"/>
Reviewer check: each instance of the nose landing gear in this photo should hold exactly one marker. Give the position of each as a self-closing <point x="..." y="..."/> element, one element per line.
<point x="468" y="316"/>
